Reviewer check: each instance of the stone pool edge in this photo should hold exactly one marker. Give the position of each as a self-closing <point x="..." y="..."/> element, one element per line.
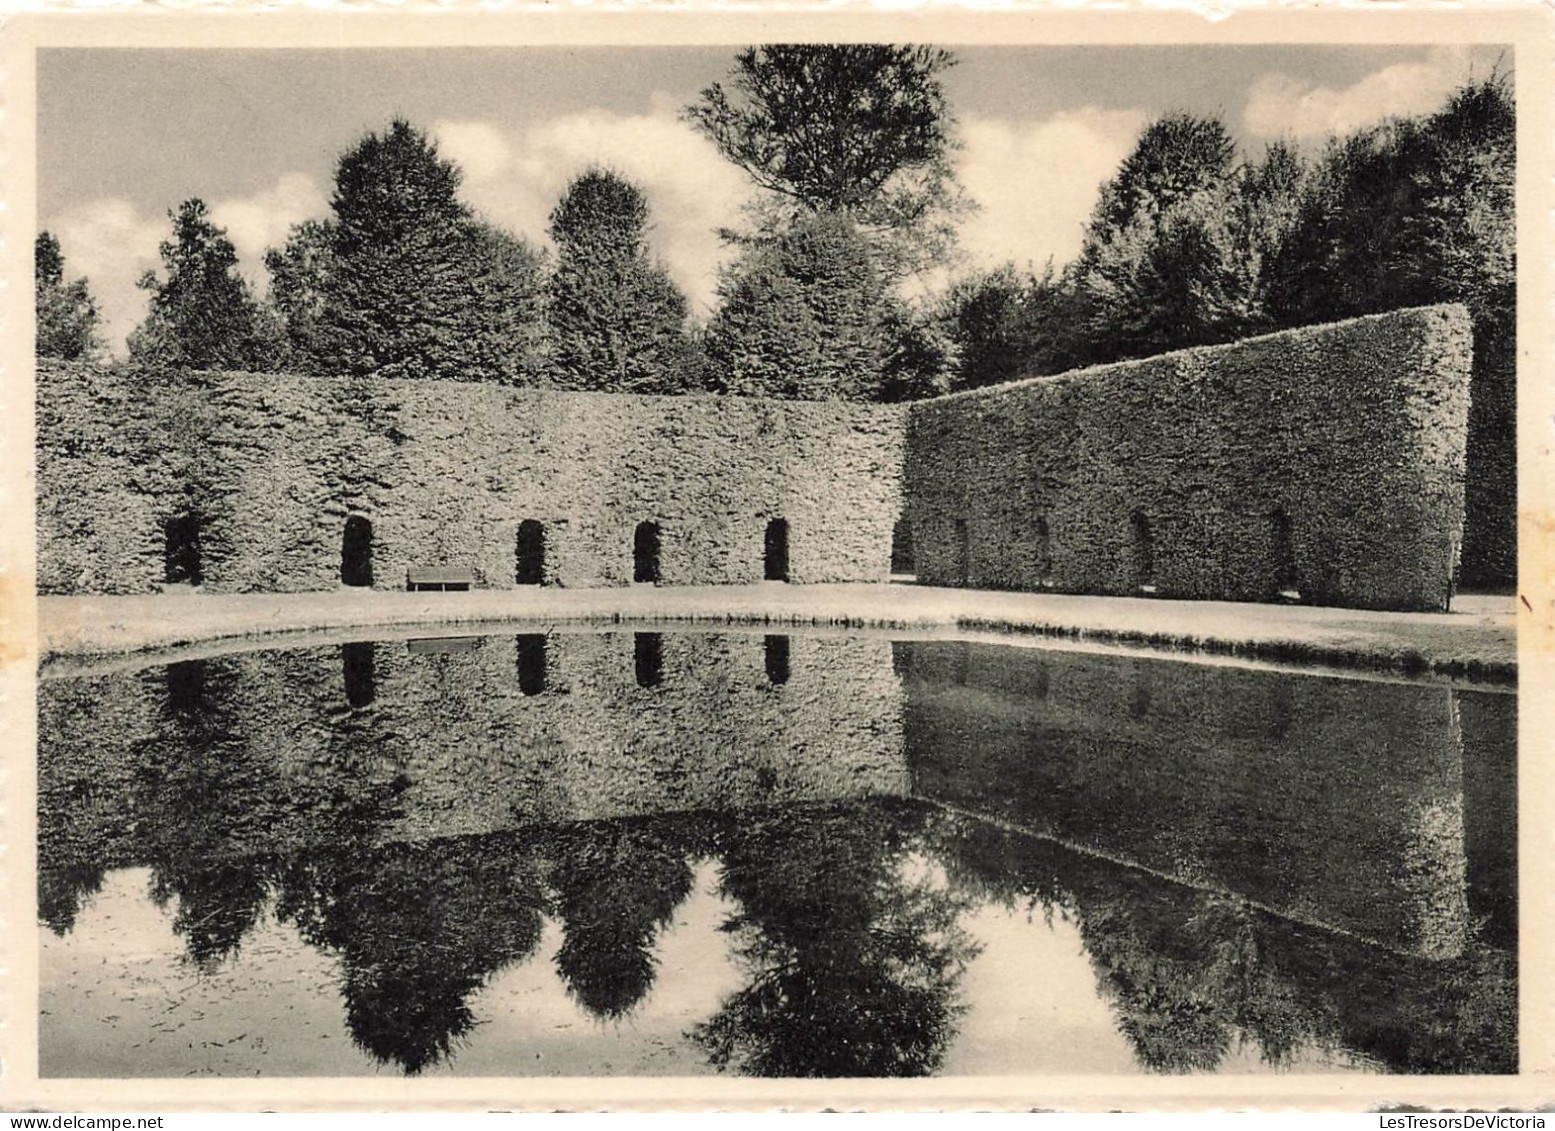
<point x="1480" y="647"/>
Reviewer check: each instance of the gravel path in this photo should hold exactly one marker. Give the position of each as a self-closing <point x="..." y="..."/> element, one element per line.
<point x="1477" y="641"/>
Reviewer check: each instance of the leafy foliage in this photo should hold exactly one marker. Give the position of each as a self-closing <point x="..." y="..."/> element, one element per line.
<point x="1416" y="211"/>
<point x="857" y="129"/>
<point x="617" y="320"/>
<point x="202" y="315"/>
<point x="801" y="316"/>
<point x="404" y="280"/>
<point x="67" y="320"/>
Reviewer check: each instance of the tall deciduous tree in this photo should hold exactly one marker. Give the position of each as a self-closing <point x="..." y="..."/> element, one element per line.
<point x="404" y="280"/>
<point x="1157" y="269"/>
<point x="67" y="321"/>
<point x="801" y="316"/>
<point x="297" y="270"/>
<point x="858" y="129"/>
<point x="617" y="319"/>
<point x="202" y="315"/>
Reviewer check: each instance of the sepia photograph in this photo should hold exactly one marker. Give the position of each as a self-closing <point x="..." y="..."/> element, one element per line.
<point x="751" y="557"/>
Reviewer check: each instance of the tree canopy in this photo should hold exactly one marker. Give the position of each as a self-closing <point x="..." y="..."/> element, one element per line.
<point x="403" y="279"/>
<point x="800" y="316"/>
<point x="67" y="320"/>
<point x="202" y="315"/>
<point x="617" y="320"/>
<point x="863" y="130"/>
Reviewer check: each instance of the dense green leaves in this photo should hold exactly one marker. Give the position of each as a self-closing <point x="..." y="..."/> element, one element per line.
<point x="617" y="319"/>
<point x="202" y="315"/>
<point x="801" y="316"/>
<point x="404" y="280"/>
<point x="66" y="315"/>
<point x="857" y="129"/>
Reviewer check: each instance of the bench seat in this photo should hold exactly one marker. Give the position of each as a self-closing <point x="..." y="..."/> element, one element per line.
<point x="439" y="579"/>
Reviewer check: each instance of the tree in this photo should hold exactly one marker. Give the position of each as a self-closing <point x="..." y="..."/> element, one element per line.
<point x="1176" y="157"/>
<point x="999" y="322"/>
<point x="67" y="321"/>
<point x="921" y="355"/>
<point x="862" y="130"/>
<point x="1158" y="269"/>
<point x="1422" y="210"/>
<point x="297" y="271"/>
<point x="404" y="280"/>
<point x="617" y="319"/>
<point x="202" y="315"/>
<point x="801" y="316"/>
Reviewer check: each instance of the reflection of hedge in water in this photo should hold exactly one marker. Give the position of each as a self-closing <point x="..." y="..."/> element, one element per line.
<point x="464" y="749"/>
<point x="852" y="967"/>
<point x="1189" y="974"/>
<point x="266" y="753"/>
<point x="1335" y="801"/>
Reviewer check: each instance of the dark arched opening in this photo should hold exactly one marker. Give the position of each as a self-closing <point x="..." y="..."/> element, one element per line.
<point x="649" y="649"/>
<point x="777" y="659"/>
<point x="356" y="552"/>
<point x="531" y="663"/>
<point x="1286" y="584"/>
<point x="962" y="570"/>
<point x="645" y="552"/>
<point x="1141" y="552"/>
<point x="529" y="554"/>
<point x="181" y="549"/>
<point x="1043" y="552"/>
<point x="356" y="661"/>
<point x="901" y="548"/>
<point x="775" y="554"/>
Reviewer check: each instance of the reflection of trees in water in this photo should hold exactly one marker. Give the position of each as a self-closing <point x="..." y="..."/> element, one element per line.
<point x="617" y="884"/>
<point x="1191" y="975"/>
<point x="214" y="812"/>
<point x="853" y="966"/>
<point x="200" y="797"/>
<point x="418" y="929"/>
<point x="63" y="888"/>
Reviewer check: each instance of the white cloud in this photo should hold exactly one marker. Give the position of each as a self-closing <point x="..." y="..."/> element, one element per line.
<point x="111" y="242"/>
<point x="255" y="223"/>
<point x="1037" y="181"/>
<point x="1280" y="105"/>
<point x="515" y="179"/>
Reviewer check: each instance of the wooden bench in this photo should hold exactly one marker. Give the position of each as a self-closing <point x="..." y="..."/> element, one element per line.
<point x="439" y="578"/>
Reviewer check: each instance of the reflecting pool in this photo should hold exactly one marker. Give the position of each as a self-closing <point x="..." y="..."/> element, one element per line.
<point x="674" y="853"/>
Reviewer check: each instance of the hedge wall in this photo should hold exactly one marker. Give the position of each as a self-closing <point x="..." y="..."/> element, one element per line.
<point x="1325" y="464"/>
<point x="270" y="467"/>
<point x="1326" y="461"/>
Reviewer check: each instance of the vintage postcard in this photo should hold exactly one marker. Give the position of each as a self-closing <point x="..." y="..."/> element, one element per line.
<point x="703" y="559"/>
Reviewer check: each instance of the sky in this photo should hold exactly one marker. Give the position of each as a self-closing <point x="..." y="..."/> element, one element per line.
<point x="125" y="135"/>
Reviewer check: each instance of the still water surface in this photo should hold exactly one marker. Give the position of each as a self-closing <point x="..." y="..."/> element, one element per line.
<point x="807" y="855"/>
